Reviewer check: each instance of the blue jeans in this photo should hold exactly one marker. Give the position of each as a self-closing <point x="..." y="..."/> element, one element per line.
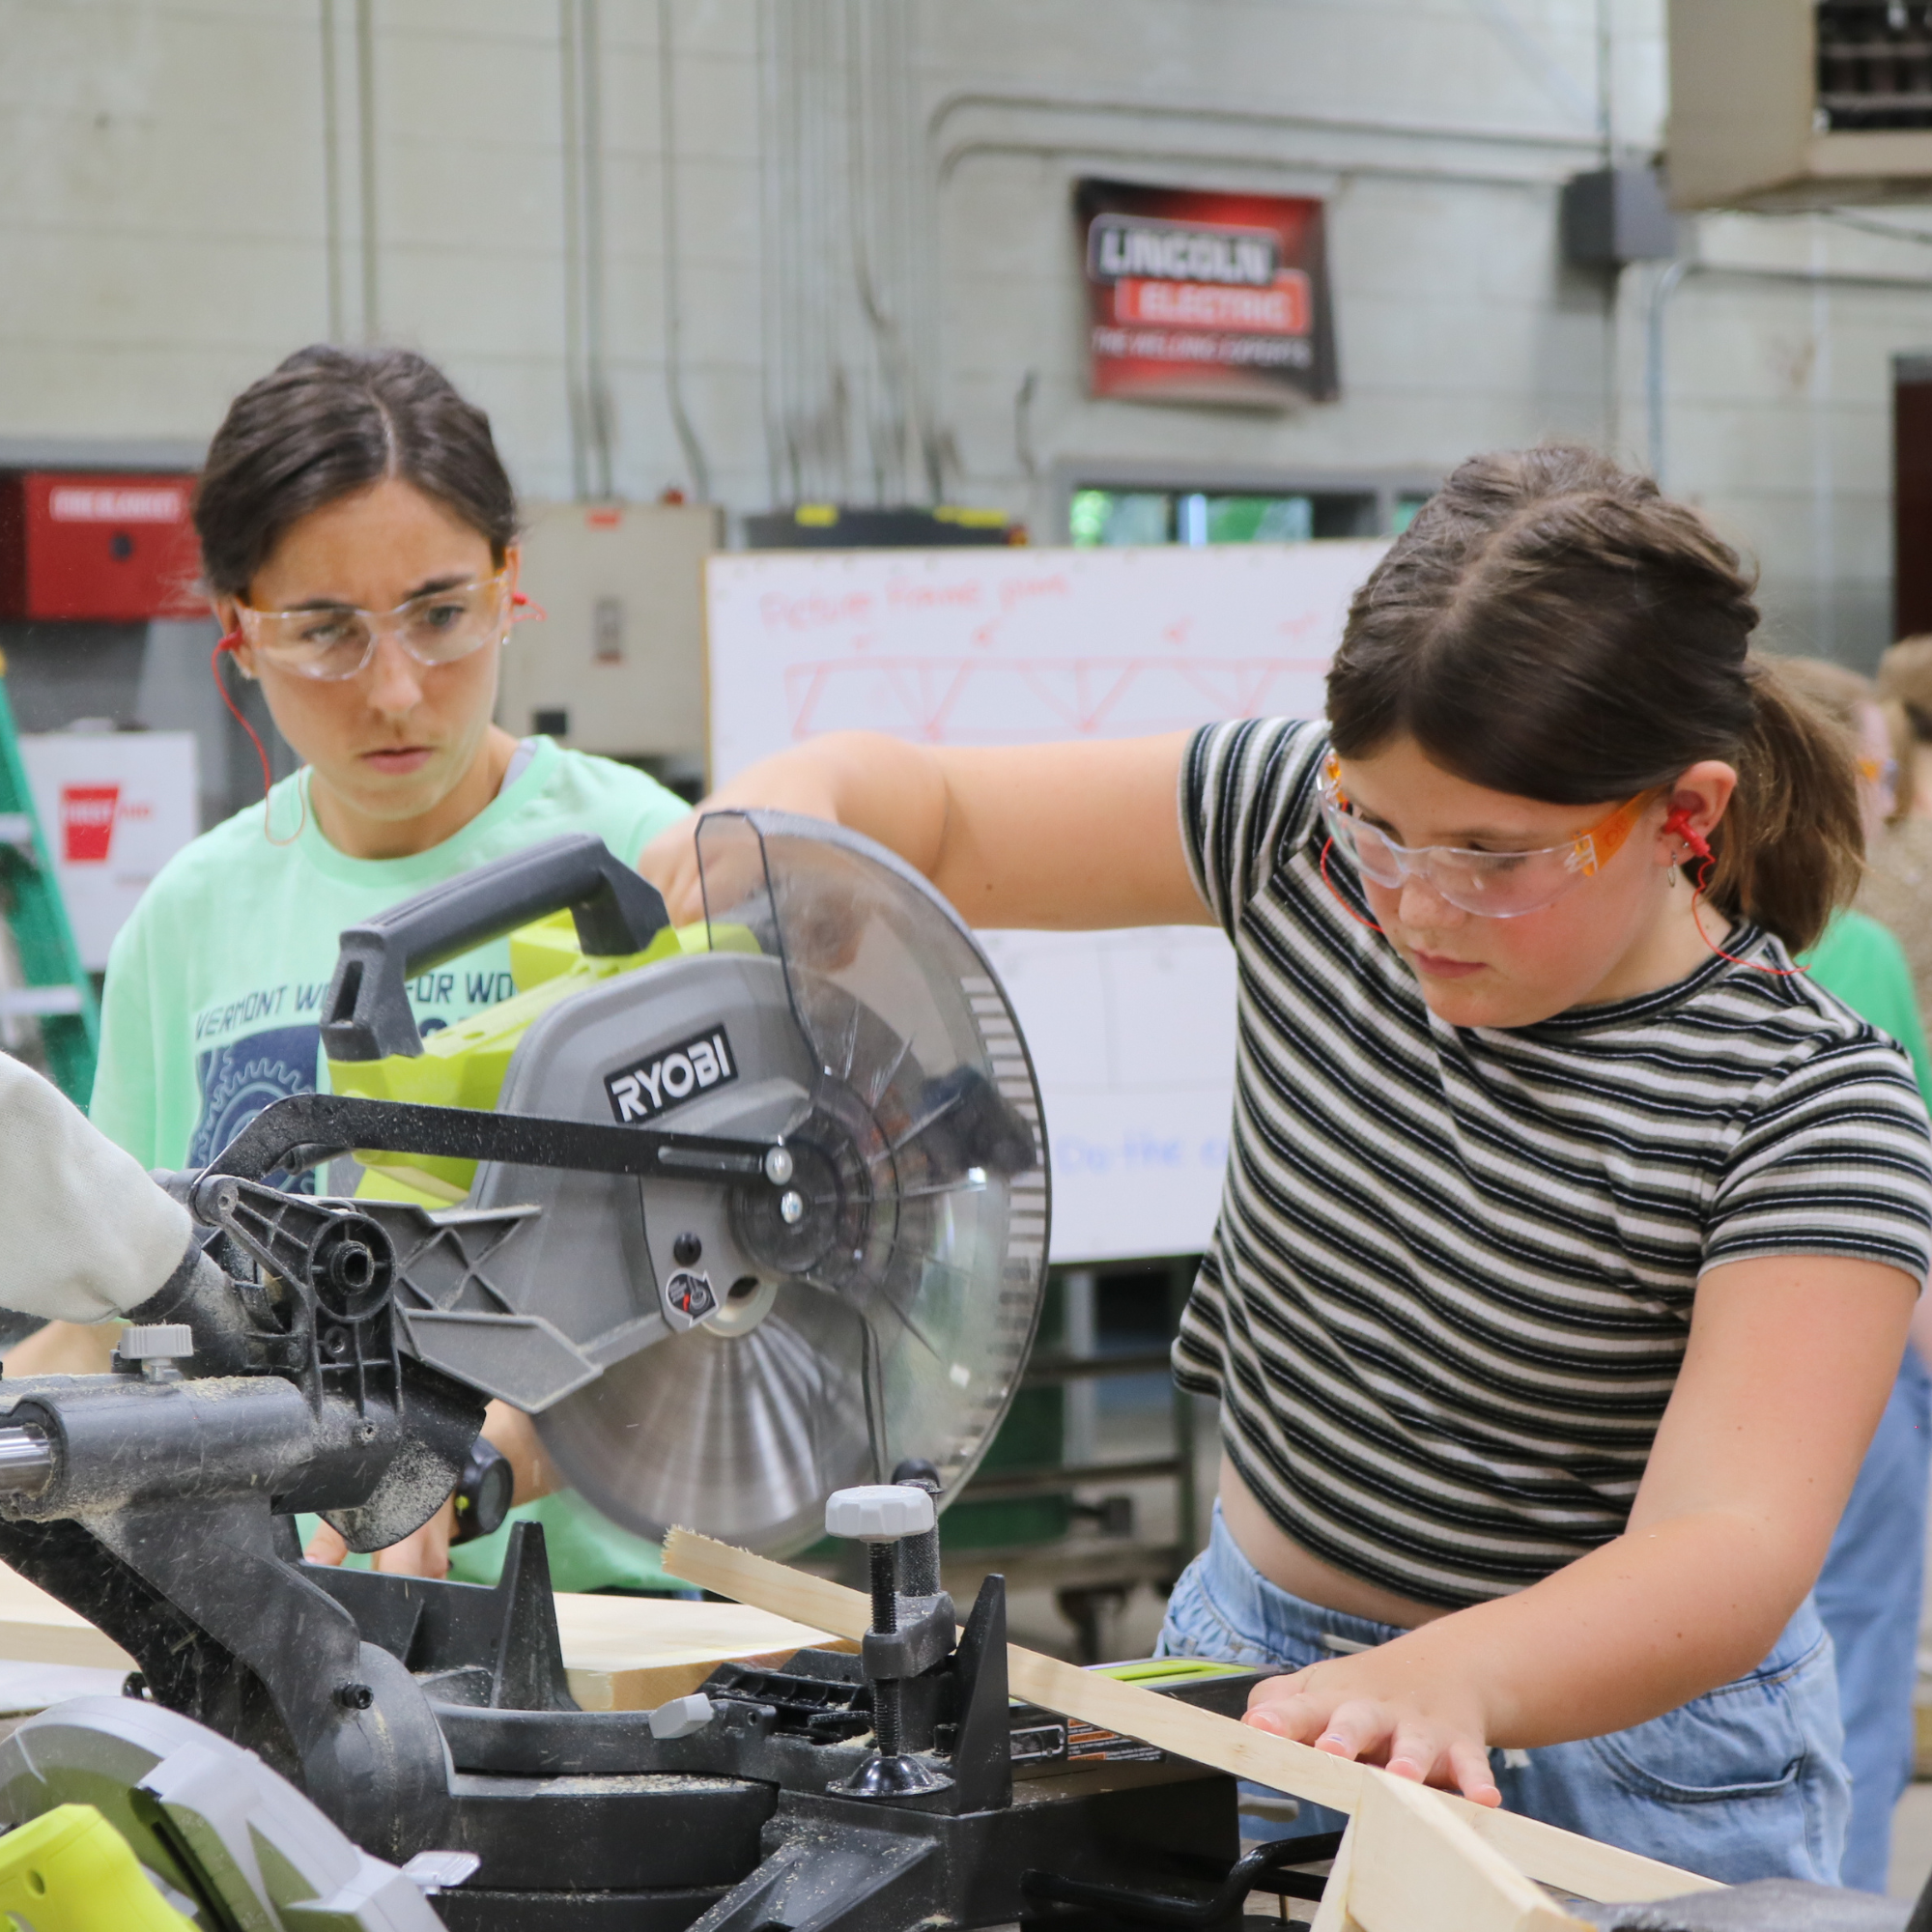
<point x="1743" y="1782"/>
<point x="1868" y="1595"/>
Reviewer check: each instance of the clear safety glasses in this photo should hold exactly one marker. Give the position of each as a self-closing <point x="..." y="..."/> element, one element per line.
<point x="1494" y="884"/>
<point x="337" y="641"/>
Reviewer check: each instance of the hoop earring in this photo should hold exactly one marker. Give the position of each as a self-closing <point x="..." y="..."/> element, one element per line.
<point x="1679" y="823"/>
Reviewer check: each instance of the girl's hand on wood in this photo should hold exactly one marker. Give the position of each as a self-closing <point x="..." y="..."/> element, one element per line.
<point x="1378" y="1709"/>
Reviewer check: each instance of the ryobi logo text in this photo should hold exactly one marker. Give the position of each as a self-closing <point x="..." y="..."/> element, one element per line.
<point x="643" y="1091"/>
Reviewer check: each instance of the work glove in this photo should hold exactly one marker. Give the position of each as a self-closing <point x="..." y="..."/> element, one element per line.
<point x="84" y="1234"/>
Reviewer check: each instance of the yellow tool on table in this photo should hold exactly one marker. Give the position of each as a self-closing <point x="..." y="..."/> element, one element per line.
<point x="69" y="1870"/>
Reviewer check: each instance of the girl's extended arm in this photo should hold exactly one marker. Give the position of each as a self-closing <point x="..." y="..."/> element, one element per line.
<point x="1055" y="836"/>
<point x="1789" y="1363"/>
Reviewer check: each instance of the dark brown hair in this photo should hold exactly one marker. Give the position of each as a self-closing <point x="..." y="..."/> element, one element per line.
<point x="1553" y="626"/>
<point x="329" y="422"/>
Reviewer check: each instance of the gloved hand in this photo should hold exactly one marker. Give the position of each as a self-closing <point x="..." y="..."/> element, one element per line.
<point x="84" y="1234"/>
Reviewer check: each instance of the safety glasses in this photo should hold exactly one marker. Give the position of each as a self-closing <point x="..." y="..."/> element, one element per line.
<point x="1494" y="885"/>
<point x="1880" y="772"/>
<point x="336" y="642"/>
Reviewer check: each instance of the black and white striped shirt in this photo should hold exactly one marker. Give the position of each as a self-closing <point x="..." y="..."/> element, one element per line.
<point x="1451" y="1283"/>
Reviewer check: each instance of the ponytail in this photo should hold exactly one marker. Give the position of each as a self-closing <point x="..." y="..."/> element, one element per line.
<point x="1790" y="849"/>
<point x="1554" y="627"/>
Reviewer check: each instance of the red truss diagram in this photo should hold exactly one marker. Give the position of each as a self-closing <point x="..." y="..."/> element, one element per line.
<point x="1007" y="700"/>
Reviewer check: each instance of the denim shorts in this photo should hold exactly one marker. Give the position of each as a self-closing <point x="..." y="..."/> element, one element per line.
<point x="1746" y="1782"/>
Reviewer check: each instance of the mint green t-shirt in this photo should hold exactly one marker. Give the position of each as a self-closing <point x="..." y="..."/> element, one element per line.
<point x="1860" y="962"/>
<point x="213" y="1001"/>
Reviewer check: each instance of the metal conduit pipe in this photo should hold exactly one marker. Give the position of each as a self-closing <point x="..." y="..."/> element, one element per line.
<point x="332" y="173"/>
<point x="570" y="70"/>
<point x="773" y="387"/>
<point x="592" y="458"/>
<point x="1384" y="125"/>
<point x="365" y="122"/>
<point x="1213" y="158"/>
<point x="695" y="462"/>
<point x="1676" y="273"/>
<point x="596" y="373"/>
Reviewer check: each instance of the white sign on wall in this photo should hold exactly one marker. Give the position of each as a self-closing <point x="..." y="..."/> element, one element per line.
<point x="114" y="806"/>
<point x="1134" y="1032"/>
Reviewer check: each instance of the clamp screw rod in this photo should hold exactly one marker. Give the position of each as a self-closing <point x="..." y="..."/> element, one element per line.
<point x="885" y="1706"/>
<point x="884" y="1514"/>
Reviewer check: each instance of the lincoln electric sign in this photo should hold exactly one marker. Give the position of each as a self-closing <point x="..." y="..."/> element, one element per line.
<point x="1203" y="297"/>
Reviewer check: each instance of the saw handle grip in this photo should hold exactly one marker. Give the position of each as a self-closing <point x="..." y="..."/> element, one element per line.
<point x="367" y="1017"/>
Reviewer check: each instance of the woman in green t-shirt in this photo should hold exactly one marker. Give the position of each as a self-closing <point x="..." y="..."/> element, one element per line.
<point x="359" y="538"/>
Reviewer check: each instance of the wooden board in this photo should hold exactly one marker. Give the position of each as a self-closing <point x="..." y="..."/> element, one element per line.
<point x="621" y="1653"/>
<point x="36" y="1627"/>
<point x="634" y="1653"/>
<point x="1414" y="1863"/>
<point x="1563" y="1859"/>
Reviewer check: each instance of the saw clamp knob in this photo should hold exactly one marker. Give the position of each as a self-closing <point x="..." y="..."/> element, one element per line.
<point x="151" y="1349"/>
<point x="882" y="1515"/>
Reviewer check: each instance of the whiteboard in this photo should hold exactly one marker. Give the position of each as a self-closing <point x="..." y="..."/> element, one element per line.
<point x="1132" y="1033"/>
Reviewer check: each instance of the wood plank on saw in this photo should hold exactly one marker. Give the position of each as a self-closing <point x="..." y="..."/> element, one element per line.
<point x="621" y="1653"/>
<point x="36" y="1627"/>
<point x="634" y="1653"/>
<point x="1543" y="1852"/>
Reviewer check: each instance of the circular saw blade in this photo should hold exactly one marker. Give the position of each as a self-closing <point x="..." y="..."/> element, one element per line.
<point x="905" y="1337"/>
<point x="741" y="1435"/>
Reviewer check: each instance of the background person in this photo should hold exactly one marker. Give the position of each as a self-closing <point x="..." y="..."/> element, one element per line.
<point x="1898" y="887"/>
<point x="1570" y="1235"/>
<point x="358" y="537"/>
<point x="1871" y="1589"/>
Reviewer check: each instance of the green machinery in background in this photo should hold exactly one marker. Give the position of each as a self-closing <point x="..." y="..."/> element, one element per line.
<point x="55" y="988"/>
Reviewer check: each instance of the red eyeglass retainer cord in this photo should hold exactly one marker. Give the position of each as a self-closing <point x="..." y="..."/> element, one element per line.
<point x="519" y="605"/>
<point x="1677" y="822"/>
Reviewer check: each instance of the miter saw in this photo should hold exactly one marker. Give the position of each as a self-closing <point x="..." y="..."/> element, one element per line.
<point x="747" y="1218"/>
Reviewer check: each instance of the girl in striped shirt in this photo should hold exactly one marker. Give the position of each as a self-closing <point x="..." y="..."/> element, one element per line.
<point x="1569" y="1236"/>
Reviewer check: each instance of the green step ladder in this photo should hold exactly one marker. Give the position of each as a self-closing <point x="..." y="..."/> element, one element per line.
<point x="58" y="992"/>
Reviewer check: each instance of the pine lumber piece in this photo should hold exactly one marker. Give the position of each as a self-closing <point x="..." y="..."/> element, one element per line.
<point x="619" y="1653"/>
<point x="1332" y="1914"/>
<point x="1543" y="1852"/>
<point x="36" y="1627"/>
<point x="634" y="1653"/>
<point x="1415" y="1863"/>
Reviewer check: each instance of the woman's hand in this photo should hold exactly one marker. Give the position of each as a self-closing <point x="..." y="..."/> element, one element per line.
<point x="1388" y="1707"/>
<point x="804" y="781"/>
<point x="423" y="1552"/>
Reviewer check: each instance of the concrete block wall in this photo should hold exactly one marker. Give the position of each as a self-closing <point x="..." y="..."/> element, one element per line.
<point x="876" y="254"/>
